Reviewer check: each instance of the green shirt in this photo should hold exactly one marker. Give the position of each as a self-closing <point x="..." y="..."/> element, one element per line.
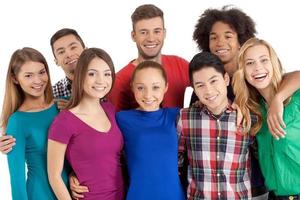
<point x="280" y="159"/>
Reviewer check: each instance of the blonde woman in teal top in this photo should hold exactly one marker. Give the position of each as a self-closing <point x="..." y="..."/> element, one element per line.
<point x="255" y="84"/>
<point x="27" y="113"/>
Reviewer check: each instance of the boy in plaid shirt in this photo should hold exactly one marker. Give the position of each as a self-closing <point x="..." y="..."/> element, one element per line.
<point x="217" y="152"/>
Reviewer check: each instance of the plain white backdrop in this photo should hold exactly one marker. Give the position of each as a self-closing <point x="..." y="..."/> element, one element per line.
<point x="107" y="24"/>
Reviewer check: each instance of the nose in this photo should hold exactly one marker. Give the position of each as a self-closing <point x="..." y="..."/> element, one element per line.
<point x="220" y="41"/>
<point x="147" y="93"/>
<point x="208" y="89"/>
<point x="151" y="36"/>
<point x="37" y="79"/>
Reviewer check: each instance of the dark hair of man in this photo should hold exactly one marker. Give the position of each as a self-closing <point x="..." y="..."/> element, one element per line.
<point x="205" y="60"/>
<point x="146" y="11"/>
<point x="241" y="23"/>
<point x="64" y="32"/>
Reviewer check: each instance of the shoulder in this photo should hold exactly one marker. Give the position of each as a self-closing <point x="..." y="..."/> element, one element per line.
<point x="172" y="111"/>
<point x="175" y="60"/>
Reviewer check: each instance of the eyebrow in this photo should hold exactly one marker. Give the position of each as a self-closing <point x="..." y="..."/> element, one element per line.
<point x="61" y="48"/>
<point x="226" y="32"/>
<point x="199" y="82"/>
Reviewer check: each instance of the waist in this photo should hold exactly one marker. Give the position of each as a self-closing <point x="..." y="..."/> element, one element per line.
<point x="284" y="197"/>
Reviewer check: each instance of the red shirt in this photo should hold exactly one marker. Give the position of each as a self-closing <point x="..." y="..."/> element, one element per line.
<point x="177" y="74"/>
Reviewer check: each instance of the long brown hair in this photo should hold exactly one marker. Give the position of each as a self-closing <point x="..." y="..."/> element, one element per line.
<point x="81" y="70"/>
<point x="14" y="95"/>
<point x="247" y="97"/>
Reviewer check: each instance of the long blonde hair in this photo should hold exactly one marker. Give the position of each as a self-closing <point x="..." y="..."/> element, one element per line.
<point x="14" y="95"/>
<point x="247" y="97"/>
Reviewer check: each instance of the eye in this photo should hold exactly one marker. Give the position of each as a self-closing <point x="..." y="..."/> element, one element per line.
<point x="214" y="81"/>
<point x="140" y="88"/>
<point x="250" y="63"/>
<point x="43" y="72"/>
<point x="156" y="87"/>
<point x="158" y="31"/>
<point x="60" y="52"/>
<point x="211" y="38"/>
<point x="264" y="60"/>
<point x="28" y="75"/>
<point x="108" y="74"/>
<point x="143" y="32"/>
<point x="91" y="74"/>
<point x="73" y="47"/>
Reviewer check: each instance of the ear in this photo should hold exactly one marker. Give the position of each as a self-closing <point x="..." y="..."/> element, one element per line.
<point x="133" y="36"/>
<point x="227" y="79"/>
<point x="165" y="33"/>
<point x="55" y="60"/>
<point x="166" y="88"/>
<point x="14" y="79"/>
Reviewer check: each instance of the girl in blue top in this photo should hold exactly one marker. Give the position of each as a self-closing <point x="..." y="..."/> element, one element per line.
<point x="27" y="113"/>
<point x="150" y="138"/>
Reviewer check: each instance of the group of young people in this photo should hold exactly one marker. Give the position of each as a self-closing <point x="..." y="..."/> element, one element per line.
<point x="76" y="145"/>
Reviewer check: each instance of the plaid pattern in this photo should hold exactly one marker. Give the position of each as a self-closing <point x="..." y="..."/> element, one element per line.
<point x="217" y="153"/>
<point x="62" y="89"/>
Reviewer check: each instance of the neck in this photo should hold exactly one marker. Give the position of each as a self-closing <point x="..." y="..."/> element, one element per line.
<point x="140" y="59"/>
<point x="230" y="68"/>
<point x="221" y="108"/>
<point x="34" y="104"/>
<point x="88" y="105"/>
<point x="267" y="93"/>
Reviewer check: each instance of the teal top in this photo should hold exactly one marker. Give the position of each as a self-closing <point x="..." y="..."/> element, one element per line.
<point x="280" y="159"/>
<point x="31" y="132"/>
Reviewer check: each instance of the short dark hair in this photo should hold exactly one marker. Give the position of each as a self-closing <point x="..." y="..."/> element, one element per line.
<point x="204" y="60"/>
<point x="241" y="23"/>
<point x="63" y="32"/>
<point x="146" y="11"/>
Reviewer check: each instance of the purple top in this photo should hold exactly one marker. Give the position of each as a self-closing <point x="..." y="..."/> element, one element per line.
<point x="93" y="155"/>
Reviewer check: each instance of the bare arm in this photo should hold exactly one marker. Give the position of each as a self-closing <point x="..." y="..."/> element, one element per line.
<point x="56" y="156"/>
<point x="288" y="86"/>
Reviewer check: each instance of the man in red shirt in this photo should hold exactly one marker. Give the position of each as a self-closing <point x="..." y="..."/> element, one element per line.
<point x="149" y="33"/>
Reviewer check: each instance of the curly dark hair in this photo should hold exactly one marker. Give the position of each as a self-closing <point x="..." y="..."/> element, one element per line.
<point x="241" y="23"/>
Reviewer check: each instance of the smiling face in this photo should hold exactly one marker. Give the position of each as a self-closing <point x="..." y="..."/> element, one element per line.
<point x="258" y="67"/>
<point x="149" y="35"/>
<point x="149" y="87"/>
<point x="98" y="80"/>
<point x="67" y="50"/>
<point x="210" y="87"/>
<point x="33" y="79"/>
<point x="223" y="42"/>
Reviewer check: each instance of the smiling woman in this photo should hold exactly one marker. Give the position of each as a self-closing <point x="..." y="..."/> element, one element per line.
<point x="100" y="24"/>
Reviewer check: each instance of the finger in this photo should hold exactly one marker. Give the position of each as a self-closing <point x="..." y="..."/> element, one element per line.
<point x="80" y="189"/>
<point x="272" y="129"/>
<point x="280" y="120"/>
<point x="77" y="196"/>
<point x="6" y="151"/>
<point x="6" y="137"/>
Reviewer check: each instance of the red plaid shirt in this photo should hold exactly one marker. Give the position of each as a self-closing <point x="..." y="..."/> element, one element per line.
<point x="217" y="154"/>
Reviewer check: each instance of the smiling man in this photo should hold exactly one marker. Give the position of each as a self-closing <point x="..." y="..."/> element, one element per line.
<point x="149" y="33"/>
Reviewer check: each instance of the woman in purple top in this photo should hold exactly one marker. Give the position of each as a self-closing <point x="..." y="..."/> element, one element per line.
<point x="87" y="133"/>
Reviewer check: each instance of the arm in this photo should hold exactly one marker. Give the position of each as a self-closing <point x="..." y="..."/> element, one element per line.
<point x="16" y="162"/>
<point x="6" y="143"/>
<point x="55" y="160"/>
<point x="288" y="86"/>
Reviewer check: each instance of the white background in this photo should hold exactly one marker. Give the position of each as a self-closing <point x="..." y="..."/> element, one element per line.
<point x="107" y="24"/>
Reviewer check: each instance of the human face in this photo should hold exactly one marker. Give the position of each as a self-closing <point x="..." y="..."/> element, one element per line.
<point x="258" y="67"/>
<point x="98" y="80"/>
<point x="149" y="35"/>
<point x="67" y="50"/>
<point x="149" y="88"/>
<point x="223" y="42"/>
<point x="211" y="88"/>
<point x="33" y="79"/>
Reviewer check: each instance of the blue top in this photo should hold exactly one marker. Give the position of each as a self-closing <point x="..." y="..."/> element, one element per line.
<point x="31" y="132"/>
<point x="151" y="150"/>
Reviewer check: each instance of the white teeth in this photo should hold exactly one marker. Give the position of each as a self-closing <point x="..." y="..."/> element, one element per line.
<point x="150" y="46"/>
<point x="258" y="76"/>
<point x="221" y="51"/>
<point x="72" y="61"/>
<point x="99" y="88"/>
<point x="37" y="87"/>
<point x="212" y="98"/>
<point x="148" y="102"/>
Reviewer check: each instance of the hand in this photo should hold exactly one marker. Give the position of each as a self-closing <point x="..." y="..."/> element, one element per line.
<point x="61" y="103"/>
<point x="239" y="115"/>
<point x="274" y="119"/>
<point x="6" y="143"/>
<point x="76" y="189"/>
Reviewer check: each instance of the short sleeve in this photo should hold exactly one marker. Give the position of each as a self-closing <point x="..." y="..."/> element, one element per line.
<point x="60" y="130"/>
